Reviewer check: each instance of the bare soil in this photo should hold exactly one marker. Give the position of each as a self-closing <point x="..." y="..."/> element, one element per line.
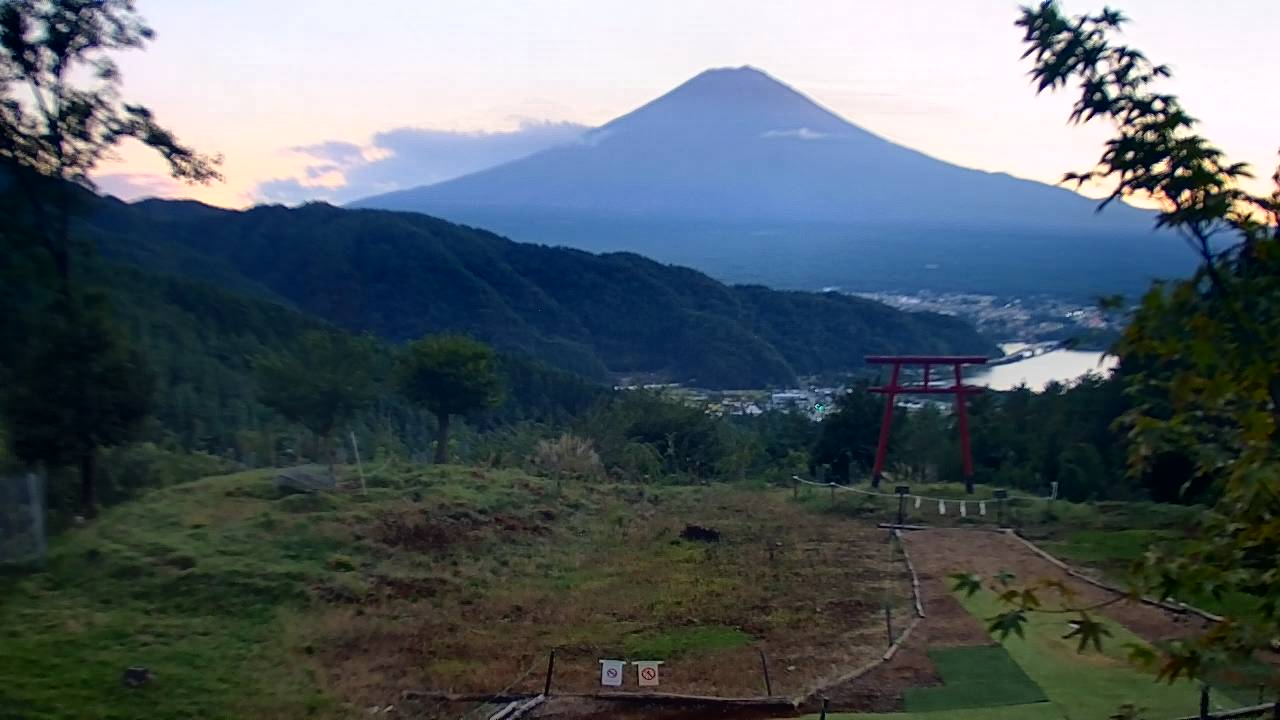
<point x="468" y="601"/>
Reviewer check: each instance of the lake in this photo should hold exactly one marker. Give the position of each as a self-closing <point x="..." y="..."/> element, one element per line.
<point x="1060" y="365"/>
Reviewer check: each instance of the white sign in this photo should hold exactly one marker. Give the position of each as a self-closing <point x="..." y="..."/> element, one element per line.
<point x="963" y="510"/>
<point x="982" y="507"/>
<point x="647" y="672"/>
<point x="611" y="672"/>
<point x="942" y="508"/>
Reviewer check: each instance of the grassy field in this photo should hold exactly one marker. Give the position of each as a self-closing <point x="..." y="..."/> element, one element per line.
<point x="244" y="602"/>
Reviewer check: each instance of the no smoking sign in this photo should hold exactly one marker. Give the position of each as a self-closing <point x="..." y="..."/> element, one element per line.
<point x="647" y="672"/>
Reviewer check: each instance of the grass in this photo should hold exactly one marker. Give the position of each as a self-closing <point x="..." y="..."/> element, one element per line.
<point x="1109" y="547"/>
<point x="675" y="643"/>
<point x="146" y="586"/>
<point x="1090" y="684"/>
<point x="1037" y="711"/>
<point x="246" y="603"/>
<point x="974" y="677"/>
<point x="1112" y="552"/>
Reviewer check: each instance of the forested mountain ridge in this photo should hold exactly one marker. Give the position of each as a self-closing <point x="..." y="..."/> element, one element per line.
<point x="403" y="275"/>
<point x="200" y="343"/>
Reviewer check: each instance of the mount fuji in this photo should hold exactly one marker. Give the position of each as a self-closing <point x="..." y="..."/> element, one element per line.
<point x="743" y="177"/>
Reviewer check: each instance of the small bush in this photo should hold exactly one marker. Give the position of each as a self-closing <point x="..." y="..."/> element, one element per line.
<point x="341" y="563"/>
<point x="567" y="456"/>
<point x="639" y="462"/>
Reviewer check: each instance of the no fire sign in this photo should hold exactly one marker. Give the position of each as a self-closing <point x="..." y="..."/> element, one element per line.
<point x="647" y="672"/>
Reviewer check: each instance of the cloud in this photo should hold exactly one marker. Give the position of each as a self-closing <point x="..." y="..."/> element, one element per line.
<point x="803" y="133"/>
<point x="336" y="151"/>
<point x="407" y="157"/>
<point x="136" y="186"/>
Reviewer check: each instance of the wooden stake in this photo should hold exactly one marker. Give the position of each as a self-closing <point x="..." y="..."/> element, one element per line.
<point x="364" y="489"/>
<point x="764" y="663"/>
<point x="551" y="668"/>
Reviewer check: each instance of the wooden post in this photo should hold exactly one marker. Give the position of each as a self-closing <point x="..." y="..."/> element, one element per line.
<point x="764" y="664"/>
<point x="364" y="489"/>
<point x="1204" y="702"/>
<point x="551" y="668"/>
<point x="825" y="704"/>
<point x="902" y="491"/>
<point x="1000" y="495"/>
<point x="962" y="422"/>
<point x="795" y="486"/>
<point x="888" y="623"/>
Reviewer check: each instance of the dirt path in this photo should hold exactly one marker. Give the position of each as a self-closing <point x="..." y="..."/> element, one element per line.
<point x="937" y="554"/>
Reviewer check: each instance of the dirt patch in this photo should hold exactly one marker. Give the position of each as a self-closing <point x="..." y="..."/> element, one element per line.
<point x="610" y="577"/>
<point x="420" y="530"/>
<point x="945" y="552"/>
<point x="946" y="624"/>
<point x="387" y="587"/>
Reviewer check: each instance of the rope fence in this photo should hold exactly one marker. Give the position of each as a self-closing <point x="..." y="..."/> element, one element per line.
<point x="960" y="507"/>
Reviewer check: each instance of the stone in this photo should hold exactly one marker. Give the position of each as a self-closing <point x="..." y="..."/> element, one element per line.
<point x="136" y="676"/>
<point x="699" y="533"/>
<point x="304" y="479"/>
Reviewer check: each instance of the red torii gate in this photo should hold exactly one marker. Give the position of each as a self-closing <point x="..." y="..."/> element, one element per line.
<point x="893" y="389"/>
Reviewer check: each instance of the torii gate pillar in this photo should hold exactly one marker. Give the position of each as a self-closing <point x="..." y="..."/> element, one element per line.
<point x="894" y="389"/>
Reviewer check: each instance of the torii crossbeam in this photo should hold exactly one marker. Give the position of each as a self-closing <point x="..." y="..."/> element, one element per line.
<point x="893" y="390"/>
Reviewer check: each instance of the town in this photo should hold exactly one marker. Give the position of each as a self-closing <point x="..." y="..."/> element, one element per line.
<point x="1031" y="319"/>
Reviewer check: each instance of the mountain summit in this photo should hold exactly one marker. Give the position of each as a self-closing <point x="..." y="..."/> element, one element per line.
<point x="744" y="99"/>
<point x="742" y="176"/>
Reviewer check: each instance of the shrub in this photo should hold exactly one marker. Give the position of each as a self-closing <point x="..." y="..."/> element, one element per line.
<point x="567" y="456"/>
<point x="639" y="462"/>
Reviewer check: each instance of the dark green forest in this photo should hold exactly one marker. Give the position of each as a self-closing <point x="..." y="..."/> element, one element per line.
<point x="403" y="275"/>
<point x="1072" y="434"/>
<point x="203" y="307"/>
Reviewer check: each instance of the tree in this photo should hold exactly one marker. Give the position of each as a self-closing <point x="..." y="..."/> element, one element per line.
<point x="57" y="55"/>
<point x="60" y="115"/>
<point x="83" y="387"/>
<point x="323" y="381"/>
<point x="849" y="435"/>
<point x="1209" y="384"/>
<point x="449" y="375"/>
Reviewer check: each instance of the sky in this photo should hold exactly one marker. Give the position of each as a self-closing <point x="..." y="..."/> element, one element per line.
<point x="334" y="100"/>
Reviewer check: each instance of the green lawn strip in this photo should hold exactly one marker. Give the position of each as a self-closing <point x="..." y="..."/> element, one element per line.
<point x="1037" y="711"/>
<point x="674" y="643"/>
<point x="1112" y="552"/>
<point x="1114" y="547"/>
<point x="1090" y="685"/>
<point x="974" y="677"/>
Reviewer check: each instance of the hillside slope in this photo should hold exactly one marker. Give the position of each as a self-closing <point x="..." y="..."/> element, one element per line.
<point x="402" y="275"/>
<point x="245" y="602"/>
